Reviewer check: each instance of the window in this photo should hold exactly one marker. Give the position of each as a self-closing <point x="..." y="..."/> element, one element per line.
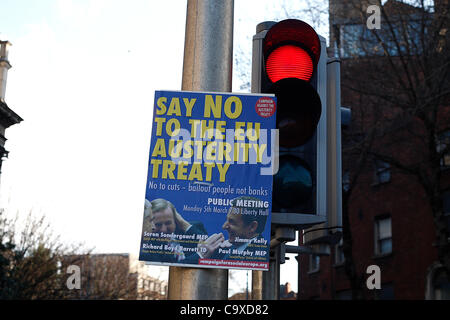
<point x="314" y="263"/>
<point x="382" y="172"/>
<point x="446" y="207"/>
<point x="383" y="236"/>
<point x="438" y="284"/>
<point x="443" y="147"/>
<point x="339" y="254"/>
<point x="386" y="292"/>
<point x="346" y="181"/>
<point x="350" y="35"/>
<point x="357" y="40"/>
<point x="441" y="286"/>
<point x="344" y="295"/>
<point x="446" y="202"/>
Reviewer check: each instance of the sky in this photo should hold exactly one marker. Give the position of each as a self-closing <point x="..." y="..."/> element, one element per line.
<point x="83" y="78"/>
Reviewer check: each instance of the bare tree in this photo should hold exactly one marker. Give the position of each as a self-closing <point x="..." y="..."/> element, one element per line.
<point x="396" y="79"/>
<point x="30" y="260"/>
<point x="411" y="86"/>
<point x="103" y="277"/>
<point x="34" y="265"/>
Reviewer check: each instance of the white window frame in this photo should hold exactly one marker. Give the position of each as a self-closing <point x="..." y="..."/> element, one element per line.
<point x="314" y="263"/>
<point x="386" y="236"/>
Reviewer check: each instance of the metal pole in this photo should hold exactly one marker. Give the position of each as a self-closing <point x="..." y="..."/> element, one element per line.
<point x="334" y="165"/>
<point x="257" y="284"/>
<point x="207" y="66"/>
<point x="271" y="278"/>
<point x="208" y="48"/>
<point x="262" y="281"/>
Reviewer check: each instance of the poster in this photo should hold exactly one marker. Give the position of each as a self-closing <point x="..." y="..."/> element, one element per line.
<point x="209" y="184"/>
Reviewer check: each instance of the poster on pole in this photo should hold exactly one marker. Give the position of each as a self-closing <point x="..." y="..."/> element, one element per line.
<point x="208" y="196"/>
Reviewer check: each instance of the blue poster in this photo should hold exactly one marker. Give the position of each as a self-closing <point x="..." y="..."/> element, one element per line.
<point x="208" y="195"/>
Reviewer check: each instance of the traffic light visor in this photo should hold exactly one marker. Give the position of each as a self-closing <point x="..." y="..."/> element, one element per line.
<point x="289" y="33"/>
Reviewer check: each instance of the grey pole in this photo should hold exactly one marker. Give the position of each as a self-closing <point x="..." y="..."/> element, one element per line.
<point x="208" y="47"/>
<point x="207" y="66"/>
<point x="264" y="283"/>
<point x="334" y="165"/>
<point x="257" y="284"/>
<point x="271" y="278"/>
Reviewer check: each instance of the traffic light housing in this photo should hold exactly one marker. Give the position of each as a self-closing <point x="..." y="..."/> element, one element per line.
<point x="339" y="118"/>
<point x="289" y="60"/>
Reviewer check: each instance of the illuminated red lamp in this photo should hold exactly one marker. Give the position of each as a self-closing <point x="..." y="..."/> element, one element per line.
<point x="289" y="62"/>
<point x="291" y="50"/>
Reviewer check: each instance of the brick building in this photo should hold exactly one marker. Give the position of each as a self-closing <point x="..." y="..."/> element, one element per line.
<point x="390" y="215"/>
<point x="149" y="285"/>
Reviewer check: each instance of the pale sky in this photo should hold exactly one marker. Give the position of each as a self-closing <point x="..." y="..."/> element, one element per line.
<point x="83" y="78"/>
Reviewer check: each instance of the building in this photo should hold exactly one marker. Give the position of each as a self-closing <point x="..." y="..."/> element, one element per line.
<point x="286" y="292"/>
<point x="7" y="116"/>
<point x="114" y="276"/>
<point x="149" y="285"/>
<point x="397" y="223"/>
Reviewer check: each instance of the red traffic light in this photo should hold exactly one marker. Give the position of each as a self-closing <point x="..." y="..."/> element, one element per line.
<point x="291" y="50"/>
<point x="289" y="62"/>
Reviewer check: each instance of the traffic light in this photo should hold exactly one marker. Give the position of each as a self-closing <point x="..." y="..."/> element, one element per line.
<point x="289" y="60"/>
